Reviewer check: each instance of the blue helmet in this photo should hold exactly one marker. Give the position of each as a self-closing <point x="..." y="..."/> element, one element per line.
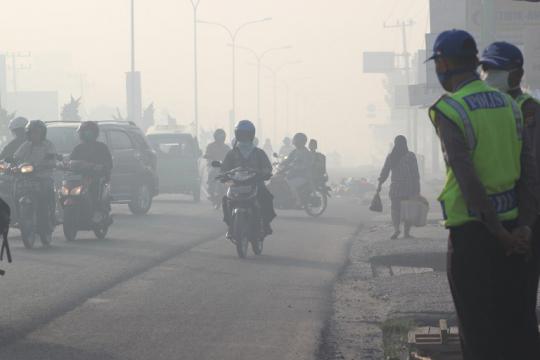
<point x="454" y="44"/>
<point x="244" y="131"/>
<point x="502" y="55"/>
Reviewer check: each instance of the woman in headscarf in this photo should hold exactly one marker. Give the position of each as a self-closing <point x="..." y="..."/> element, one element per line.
<point x="405" y="181"/>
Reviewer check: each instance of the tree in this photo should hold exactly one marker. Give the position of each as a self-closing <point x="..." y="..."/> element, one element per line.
<point x="70" y="111"/>
<point x="118" y="116"/>
<point x="148" y="116"/>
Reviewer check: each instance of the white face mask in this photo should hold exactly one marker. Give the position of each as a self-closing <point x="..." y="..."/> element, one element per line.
<point x="497" y="79"/>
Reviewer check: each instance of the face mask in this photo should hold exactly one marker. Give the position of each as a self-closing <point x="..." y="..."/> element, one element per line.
<point x="447" y="75"/>
<point x="497" y="79"/>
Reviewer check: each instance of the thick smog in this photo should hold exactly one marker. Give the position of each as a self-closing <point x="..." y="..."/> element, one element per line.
<point x="269" y="180"/>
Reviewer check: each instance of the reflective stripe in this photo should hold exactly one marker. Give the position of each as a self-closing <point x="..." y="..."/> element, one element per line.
<point x="519" y="119"/>
<point x="467" y="124"/>
<point x="502" y="202"/>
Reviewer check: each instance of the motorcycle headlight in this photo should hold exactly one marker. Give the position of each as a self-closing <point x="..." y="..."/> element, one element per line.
<point x="27" y="169"/>
<point x="76" y="191"/>
<point x="64" y="191"/>
<point x="3" y="167"/>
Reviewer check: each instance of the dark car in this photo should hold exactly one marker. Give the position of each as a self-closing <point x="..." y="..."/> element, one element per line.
<point x="178" y="162"/>
<point x="134" y="179"/>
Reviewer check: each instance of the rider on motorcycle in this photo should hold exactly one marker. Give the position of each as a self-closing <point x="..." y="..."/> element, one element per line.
<point x="245" y="153"/>
<point x="319" y="174"/>
<point x="286" y="148"/>
<point x="298" y="166"/>
<point x="215" y="151"/>
<point x="41" y="153"/>
<point x="17" y="127"/>
<point x="92" y="151"/>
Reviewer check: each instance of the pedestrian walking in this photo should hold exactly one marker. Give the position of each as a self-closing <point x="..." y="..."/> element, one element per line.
<point x="404" y="183"/>
<point x="487" y="202"/>
<point x="502" y="66"/>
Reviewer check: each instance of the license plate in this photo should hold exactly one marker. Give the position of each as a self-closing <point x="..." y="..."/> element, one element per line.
<point x="243" y="189"/>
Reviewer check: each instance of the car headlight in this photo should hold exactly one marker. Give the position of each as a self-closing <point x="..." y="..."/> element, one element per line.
<point x="64" y="191"/>
<point x="76" y="191"/>
<point x="27" y="169"/>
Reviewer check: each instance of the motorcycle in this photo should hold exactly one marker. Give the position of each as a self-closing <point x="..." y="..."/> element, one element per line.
<point x="247" y="224"/>
<point x="81" y="211"/>
<point x="314" y="195"/>
<point x="218" y="188"/>
<point x="25" y="199"/>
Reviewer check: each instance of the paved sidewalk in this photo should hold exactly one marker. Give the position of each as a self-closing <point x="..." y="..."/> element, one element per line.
<point x="403" y="279"/>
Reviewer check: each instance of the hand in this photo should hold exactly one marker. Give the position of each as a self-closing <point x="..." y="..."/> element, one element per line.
<point x="379" y="187"/>
<point x="523" y="244"/>
<point x="517" y="242"/>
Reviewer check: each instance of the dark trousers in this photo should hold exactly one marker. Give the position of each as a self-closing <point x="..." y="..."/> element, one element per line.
<point x="395" y="210"/>
<point x="491" y="295"/>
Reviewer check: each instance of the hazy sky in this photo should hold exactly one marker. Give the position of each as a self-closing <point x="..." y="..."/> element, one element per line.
<point x="328" y="92"/>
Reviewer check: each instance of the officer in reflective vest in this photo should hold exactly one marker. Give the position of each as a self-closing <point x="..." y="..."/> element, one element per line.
<point x="486" y="201"/>
<point x="502" y="67"/>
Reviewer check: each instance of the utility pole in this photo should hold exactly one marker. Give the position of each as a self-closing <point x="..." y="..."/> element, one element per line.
<point x="412" y="131"/>
<point x="488" y="22"/>
<point x="195" y="4"/>
<point x="133" y="80"/>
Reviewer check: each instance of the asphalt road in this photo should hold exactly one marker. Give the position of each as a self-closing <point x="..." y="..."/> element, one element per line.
<point x="169" y="286"/>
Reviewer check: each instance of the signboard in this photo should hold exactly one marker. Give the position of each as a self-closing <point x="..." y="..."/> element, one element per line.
<point x="512" y="19"/>
<point x="401" y="96"/>
<point x="421" y="95"/>
<point x="379" y="62"/>
<point x="445" y="14"/>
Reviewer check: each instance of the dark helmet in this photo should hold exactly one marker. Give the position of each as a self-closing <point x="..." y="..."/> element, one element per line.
<point x="502" y="56"/>
<point x="299" y="139"/>
<point x="220" y="134"/>
<point x="244" y="131"/>
<point x="89" y="127"/>
<point x="37" y="125"/>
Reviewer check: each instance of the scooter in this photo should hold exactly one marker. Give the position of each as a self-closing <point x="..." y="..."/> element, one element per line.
<point x="313" y="197"/>
<point x="82" y="212"/>
<point x="25" y="199"/>
<point x="241" y="197"/>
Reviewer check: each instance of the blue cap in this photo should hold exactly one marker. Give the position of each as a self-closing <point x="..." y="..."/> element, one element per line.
<point x="502" y="56"/>
<point x="454" y="44"/>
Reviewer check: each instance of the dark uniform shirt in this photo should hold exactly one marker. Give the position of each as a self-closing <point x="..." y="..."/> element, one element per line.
<point x="96" y="153"/>
<point x="10" y="149"/>
<point x="216" y="151"/>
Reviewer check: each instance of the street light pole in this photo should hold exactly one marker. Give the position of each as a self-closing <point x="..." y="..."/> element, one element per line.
<point x="275" y="72"/>
<point x="132" y="36"/>
<point x="233" y="34"/>
<point x="259" y="57"/>
<point x="195" y="4"/>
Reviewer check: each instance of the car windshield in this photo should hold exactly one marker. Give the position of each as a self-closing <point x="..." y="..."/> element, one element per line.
<point x="63" y="138"/>
<point x="173" y="144"/>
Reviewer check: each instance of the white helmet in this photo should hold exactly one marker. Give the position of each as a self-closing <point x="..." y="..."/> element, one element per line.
<point x="18" y="123"/>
